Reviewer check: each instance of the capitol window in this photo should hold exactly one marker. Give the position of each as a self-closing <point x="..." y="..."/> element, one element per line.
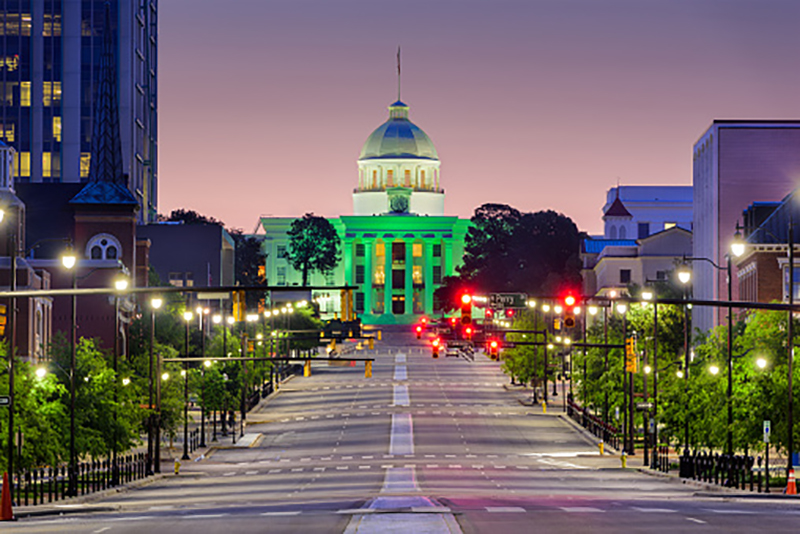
<point x="103" y="247"/>
<point x="390" y="178"/>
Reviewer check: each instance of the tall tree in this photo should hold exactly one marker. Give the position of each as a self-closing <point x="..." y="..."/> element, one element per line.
<point x="314" y="245"/>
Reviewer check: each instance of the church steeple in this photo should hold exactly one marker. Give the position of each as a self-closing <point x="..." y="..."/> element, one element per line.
<point x="106" y="163"/>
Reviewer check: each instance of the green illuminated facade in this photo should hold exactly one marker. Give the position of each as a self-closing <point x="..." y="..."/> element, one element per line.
<point x="398" y="245"/>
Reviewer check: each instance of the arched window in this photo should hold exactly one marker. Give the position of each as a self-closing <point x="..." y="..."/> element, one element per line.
<point x="103" y="247"/>
<point x="612" y="232"/>
<point x="622" y="233"/>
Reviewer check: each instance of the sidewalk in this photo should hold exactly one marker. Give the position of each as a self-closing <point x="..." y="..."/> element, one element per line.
<point x="88" y="503"/>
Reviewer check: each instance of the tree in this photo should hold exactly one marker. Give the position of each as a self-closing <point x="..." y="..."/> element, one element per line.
<point x="190" y="217"/>
<point x="314" y="245"/>
<point x="506" y="250"/>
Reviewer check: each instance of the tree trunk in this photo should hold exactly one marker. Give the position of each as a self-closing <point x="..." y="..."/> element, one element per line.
<point x="305" y="274"/>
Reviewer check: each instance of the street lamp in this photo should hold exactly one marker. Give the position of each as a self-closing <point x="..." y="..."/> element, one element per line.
<point x="69" y="260"/>
<point x="737" y="249"/>
<point x="154" y="428"/>
<point x="187" y="317"/>
<point x="120" y="285"/>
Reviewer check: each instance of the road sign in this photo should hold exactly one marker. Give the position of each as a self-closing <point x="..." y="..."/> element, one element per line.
<point x="509" y="344"/>
<point x="644" y="405"/>
<point x="767" y="430"/>
<point x="5" y="400"/>
<point x="507" y="300"/>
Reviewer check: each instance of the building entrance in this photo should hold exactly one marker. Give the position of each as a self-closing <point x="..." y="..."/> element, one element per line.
<point x="398" y="304"/>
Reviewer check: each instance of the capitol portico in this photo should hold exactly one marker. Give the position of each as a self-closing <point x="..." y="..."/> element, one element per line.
<point x="398" y="245"/>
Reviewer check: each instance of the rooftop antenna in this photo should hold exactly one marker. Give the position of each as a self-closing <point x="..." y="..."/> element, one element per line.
<point x="398" y="73"/>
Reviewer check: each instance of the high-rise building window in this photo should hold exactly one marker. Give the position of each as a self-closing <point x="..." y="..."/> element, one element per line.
<point x="57" y="129"/>
<point x="86" y="161"/>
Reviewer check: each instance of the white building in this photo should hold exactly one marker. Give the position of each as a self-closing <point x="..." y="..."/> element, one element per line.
<point x="651" y="209"/>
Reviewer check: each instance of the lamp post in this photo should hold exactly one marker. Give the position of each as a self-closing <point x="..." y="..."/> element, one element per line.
<point x="120" y="284"/>
<point x="154" y="427"/>
<point x="627" y="436"/>
<point x="546" y="349"/>
<point x="68" y="260"/>
<point x="737" y="249"/>
<point x="187" y="317"/>
<point x="12" y="335"/>
<point x="201" y="313"/>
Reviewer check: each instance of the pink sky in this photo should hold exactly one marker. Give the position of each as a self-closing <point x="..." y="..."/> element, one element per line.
<point x="540" y="104"/>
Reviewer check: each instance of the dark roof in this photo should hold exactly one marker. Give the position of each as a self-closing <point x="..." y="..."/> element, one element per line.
<point x="617" y="209"/>
<point x="107" y="193"/>
<point x="596" y="246"/>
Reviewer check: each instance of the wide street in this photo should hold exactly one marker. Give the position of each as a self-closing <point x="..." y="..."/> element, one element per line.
<point x="425" y="445"/>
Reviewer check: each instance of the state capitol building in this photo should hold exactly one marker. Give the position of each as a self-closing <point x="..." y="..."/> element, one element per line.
<point x="398" y="245"/>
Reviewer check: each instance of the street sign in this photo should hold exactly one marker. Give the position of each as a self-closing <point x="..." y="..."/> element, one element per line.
<point x="509" y="344"/>
<point x="507" y="300"/>
<point x="5" y="400"/>
<point x="767" y="430"/>
<point x="644" y="405"/>
<point x="220" y="295"/>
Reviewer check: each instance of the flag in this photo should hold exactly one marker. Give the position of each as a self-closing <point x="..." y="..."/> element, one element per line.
<point x="398" y="61"/>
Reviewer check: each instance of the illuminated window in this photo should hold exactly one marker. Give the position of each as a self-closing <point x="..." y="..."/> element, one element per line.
<point x="390" y="178"/>
<point x="380" y="249"/>
<point x="57" y="129"/>
<point x="22" y="162"/>
<point x="408" y="178"/>
<point x="52" y="93"/>
<point x="176" y="279"/>
<point x="416" y="274"/>
<point x="380" y="275"/>
<point x="86" y="160"/>
<point x="668" y="225"/>
<point x="25" y="94"/>
<point x="7" y="132"/>
<point x="422" y="178"/>
<point x="374" y="179"/>
<point x="416" y="250"/>
<point x="46" y="172"/>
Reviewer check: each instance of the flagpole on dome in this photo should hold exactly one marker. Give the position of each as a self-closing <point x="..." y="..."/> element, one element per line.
<point x="398" y="73"/>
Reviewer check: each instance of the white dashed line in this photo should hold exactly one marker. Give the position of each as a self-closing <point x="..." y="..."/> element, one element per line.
<point x="504" y="509"/>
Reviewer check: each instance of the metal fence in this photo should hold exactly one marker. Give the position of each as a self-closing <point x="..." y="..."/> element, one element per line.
<point x="48" y="484"/>
<point x="594" y="424"/>
<point x="733" y="471"/>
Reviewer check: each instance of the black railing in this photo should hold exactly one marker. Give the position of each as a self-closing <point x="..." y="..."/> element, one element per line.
<point x="594" y="424"/>
<point x="660" y="461"/>
<point x="48" y="484"/>
<point x="733" y="471"/>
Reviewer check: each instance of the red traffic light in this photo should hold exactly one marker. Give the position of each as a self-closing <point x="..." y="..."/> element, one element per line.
<point x="419" y="329"/>
<point x="569" y="300"/>
<point x="435" y="342"/>
<point x="453" y="320"/>
<point x="466" y="298"/>
<point x="424" y="320"/>
<point x="489" y="313"/>
<point x="509" y="312"/>
<point x="493" y="344"/>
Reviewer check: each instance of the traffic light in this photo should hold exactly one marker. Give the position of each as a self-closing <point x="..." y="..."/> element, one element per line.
<point x="489" y="313"/>
<point x="569" y="311"/>
<point x="239" y="306"/>
<point x="419" y="331"/>
<point x="631" y="361"/>
<point x="453" y="321"/>
<point x="424" y="321"/>
<point x="466" y="308"/>
<point x="510" y="313"/>
<point x="3" y="319"/>
<point x="468" y="332"/>
<point x="435" y="347"/>
<point x="494" y="349"/>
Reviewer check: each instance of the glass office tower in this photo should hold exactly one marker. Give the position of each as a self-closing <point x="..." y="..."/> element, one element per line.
<point x="49" y="63"/>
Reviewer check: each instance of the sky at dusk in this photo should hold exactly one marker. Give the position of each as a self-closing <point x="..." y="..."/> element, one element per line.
<point x="541" y="104"/>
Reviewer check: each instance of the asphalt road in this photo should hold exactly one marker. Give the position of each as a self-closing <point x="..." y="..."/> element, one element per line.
<point x="423" y="446"/>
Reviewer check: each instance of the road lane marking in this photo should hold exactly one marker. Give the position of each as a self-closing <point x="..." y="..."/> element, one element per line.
<point x="402" y="436"/>
<point x="280" y="513"/>
<point x="99" y="530"/>
<point x="700" y="521"/>
<point x="203" y="516"/>
<point x="251" y="472"/>
<point x="400" y="373"/>
<point x="399" y="479"/>
<point x="400" y="358"/>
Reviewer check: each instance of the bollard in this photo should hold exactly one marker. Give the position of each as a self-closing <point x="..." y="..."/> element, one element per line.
<point x="177" y="466"/>
<point x="624" y="459"/>
<point x="544" y="407"/>
<point x="600" y="445"/>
